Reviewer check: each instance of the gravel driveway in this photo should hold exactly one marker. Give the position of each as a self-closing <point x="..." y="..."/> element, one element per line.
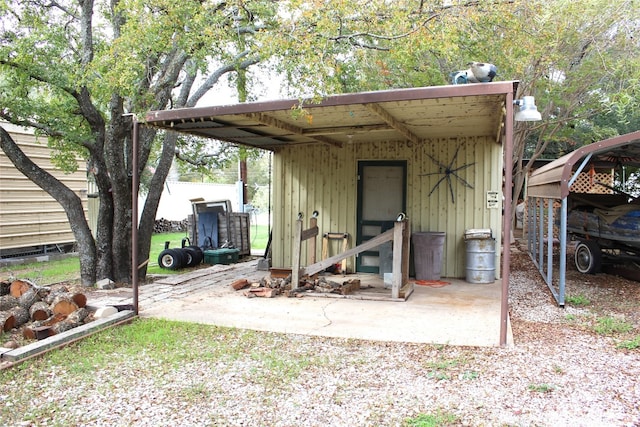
<point x="560" y="373"/>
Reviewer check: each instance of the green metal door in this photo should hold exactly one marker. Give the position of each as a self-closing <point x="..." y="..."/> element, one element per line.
<point x="382" y="194"/>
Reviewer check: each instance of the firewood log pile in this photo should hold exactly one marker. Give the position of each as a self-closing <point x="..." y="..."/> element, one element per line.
<point x="269" y="287"/>
<point x="166" y="226"/>
<point x="40" y="311"/>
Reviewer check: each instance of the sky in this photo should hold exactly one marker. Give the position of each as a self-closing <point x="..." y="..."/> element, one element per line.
<point x="223" y="94"/>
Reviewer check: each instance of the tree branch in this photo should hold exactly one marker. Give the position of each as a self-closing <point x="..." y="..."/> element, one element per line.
<point x="215" y="76"/>
<point x="38" y="77"/>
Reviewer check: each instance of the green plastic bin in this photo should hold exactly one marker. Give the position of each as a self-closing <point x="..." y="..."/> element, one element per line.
<point x="221" y="256"/>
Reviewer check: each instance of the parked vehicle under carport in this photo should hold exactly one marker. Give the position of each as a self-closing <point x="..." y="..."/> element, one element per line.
<point x="607" y="228"/>
<point x="551" y="186"/>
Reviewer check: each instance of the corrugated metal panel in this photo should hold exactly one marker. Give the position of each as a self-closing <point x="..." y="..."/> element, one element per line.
<point x="552" y="180"/>
<point x="29" y="217"/>
<point x="430" y="112"/>
<point x="324" y="178"/>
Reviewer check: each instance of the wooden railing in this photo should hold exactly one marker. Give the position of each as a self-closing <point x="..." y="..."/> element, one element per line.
<point x="399" y="234"/>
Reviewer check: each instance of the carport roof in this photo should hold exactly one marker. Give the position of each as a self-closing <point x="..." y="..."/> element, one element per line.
<point x="552" y="180"/>
<point x="413" y="115"/>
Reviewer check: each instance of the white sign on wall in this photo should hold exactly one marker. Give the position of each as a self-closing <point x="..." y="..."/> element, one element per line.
<point x="493" y="199"/>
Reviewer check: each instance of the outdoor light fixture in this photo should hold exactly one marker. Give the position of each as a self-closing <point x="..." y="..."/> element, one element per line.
<point x="528" y="111"/>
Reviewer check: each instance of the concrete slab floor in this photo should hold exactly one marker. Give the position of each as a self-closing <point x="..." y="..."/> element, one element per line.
<point x="458" y="313"/>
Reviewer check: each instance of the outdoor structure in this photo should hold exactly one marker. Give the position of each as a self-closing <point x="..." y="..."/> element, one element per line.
<point x="552" y="185"/>
<point x="175" y="202"/>
<point x="435" y="154"/>
<point x="31" y="221"/>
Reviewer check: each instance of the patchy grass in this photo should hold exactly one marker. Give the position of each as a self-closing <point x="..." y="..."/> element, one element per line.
<point x="438" y="419"/>
<point x="45" y="273"/>
<point x="542" y="388"/>
<point x="577" y="300"/>
<point x="609" y="325"/>
<point x="632" y="344"/>
<point x="154" y="350"/>
<point x="446" y="369"/>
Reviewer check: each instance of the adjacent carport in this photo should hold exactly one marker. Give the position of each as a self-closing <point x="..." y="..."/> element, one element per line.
<point x="551" y="184"/>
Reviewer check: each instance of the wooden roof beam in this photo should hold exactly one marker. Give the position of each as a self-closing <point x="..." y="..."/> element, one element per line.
<point x="391" y="121"/>
<point x="279" y="124"/>
<point x="345" y="129"/>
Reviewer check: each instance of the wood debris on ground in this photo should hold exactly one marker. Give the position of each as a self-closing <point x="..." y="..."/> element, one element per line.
<point x="269" y="287"/>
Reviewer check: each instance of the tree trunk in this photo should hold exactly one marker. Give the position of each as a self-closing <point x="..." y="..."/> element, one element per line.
<point x="118" y="159"/>
<point x="104" y="231"/>
<point x="52" y="296"/>
<point x="4" y="287"/>
<point x="147" y="220"/>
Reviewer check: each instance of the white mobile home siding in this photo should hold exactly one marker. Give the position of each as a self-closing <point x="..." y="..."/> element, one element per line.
<point x="324" y="178"/>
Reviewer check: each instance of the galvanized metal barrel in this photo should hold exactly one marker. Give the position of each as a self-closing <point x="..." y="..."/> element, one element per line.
<point x="428" y="249"/>
<point x="481" y="260"/>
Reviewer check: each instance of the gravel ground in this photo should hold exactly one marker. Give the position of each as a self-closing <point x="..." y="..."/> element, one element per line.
<point x="559" y="373"/>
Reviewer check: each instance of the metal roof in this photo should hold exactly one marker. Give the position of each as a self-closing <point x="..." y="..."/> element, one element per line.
<point x="413" y="115"/>
<point x="552" y="180"/>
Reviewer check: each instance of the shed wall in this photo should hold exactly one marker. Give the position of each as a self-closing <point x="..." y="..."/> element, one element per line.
<point x="29" y="216"/>
<point x="324" y="178"/>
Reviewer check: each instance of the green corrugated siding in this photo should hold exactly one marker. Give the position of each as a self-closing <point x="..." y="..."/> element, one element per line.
<point x="323" y="178"/>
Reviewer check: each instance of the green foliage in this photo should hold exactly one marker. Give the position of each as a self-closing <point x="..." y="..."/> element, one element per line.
<point x="542" y="388"/>
<point x="443" y="369"/>
<point x="470" y="375"/>
<point x="578" y="300"/>
<point x="439" y="419"/>
<point x="632" y="344"/>
<point x="609" y="325"/>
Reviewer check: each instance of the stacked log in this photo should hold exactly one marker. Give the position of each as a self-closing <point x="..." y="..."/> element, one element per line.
<point x="166" y="226"/>
<point x="7" y="302"/>
<point x="7" y="321"/>
<point x="48" y="311"/>
<point x="40" y="311"/>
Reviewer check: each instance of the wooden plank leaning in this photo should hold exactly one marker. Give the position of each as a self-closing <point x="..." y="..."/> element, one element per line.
<point x="369" y="244"/>
<point x="400" y="236"/>
<point x="300" y="236"/>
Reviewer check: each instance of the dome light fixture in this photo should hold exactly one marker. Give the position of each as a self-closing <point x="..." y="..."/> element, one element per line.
<point x="528" y="111"/>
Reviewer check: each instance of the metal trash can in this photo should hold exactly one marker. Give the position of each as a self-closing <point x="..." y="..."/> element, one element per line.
<point x="427" y="254"/>
<point x="480" y="256"/>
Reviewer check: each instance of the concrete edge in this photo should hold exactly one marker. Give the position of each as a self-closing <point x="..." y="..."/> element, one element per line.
<point x="66" y="337"/>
